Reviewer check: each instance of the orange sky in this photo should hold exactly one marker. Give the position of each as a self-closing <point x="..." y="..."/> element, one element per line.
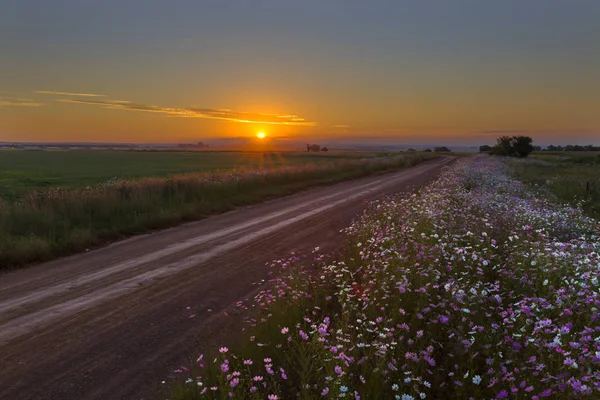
<point x="311" y="69"/>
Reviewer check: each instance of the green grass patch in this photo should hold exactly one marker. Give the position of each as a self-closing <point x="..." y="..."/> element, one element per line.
<point x="22" y="171"/>
<point x="43" y="224"/>
<point x="574" y="177"/>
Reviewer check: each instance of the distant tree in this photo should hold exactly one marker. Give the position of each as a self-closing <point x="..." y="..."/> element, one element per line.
<point x="523" y="146"/>
<point x="427" y="150"/>
<point x="513" y="146"/>
<point x="411" y="150"/>
<point x="442" y="149"/>
<point x="307" y="147"/>
<point x="315" y="147"/>
<point x="485" y="148"/>
<point x="324" y="149"/>
<point x="506" y="143"/>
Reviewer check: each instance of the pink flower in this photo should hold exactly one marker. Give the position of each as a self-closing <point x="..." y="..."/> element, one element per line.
<point x="223" y="350"/>
<point x="285" y="330"/>
<point x="273" y="397"/>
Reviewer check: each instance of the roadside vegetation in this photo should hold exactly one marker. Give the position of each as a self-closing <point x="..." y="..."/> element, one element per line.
<point x="573" y="177"/>
<point x="22" y="171"/>
<point x="43" y="224"/>
<point x="478" y="286"/>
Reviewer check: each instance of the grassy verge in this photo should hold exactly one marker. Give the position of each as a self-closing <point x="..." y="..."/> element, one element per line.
<point x="573" y="178"/>
<point x="476" y="287"/>
<point x="45" y="224"/>
<point x="22" y="171"/>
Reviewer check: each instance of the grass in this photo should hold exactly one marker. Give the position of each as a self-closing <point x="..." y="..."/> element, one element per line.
<point x="475" y="287"/>
<point x="44" y="224"/>
<point x="574" y="177"/>
<point x="22" y="171"/>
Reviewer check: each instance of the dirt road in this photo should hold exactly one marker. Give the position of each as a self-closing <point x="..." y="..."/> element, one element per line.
<point x="112" y="323"/>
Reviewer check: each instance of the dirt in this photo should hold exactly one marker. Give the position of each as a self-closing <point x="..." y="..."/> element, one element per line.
<point x="113" y="323"/>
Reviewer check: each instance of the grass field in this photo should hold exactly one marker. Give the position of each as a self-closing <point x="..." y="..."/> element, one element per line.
<point x="68" y="216"/>
<point x="574" y="177"/>
<point x="22" y="170"/>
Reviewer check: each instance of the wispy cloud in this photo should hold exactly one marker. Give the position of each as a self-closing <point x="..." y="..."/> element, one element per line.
<point x="207" y="113"/>
<point x="18" y="102"/>
<point x="503" y="131"/>
<point x="53" y="92"/>
<point x="341" y="126"/>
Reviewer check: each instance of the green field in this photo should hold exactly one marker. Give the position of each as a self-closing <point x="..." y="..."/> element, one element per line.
<point x="23" y="170"/>
<point x="56" y="203"/>
<point x="574" y="177"/>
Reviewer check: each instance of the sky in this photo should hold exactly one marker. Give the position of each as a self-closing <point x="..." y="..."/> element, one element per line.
<point x="460" y="71"/>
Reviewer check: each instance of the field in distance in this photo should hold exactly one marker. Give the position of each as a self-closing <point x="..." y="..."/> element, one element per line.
<point x="25" y="170"/>
<point x="58" y="203"/>
<point x="573" y="176"/>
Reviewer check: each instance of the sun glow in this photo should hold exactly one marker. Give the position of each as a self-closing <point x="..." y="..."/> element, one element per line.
<point x="261" y="135"/>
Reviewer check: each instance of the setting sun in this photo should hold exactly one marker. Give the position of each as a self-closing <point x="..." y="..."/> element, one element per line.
<point x="260" y="135"/>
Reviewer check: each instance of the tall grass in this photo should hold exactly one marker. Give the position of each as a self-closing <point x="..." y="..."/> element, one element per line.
<point x="45" y="224"/>
<point x="474" y="288"/>
<point x="572" y="178"/>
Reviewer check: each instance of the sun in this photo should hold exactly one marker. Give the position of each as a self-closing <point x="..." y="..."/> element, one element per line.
<point x="261" y="135"/>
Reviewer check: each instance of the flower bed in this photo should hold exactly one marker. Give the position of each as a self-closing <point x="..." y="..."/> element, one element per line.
<point x="475" y="287"/>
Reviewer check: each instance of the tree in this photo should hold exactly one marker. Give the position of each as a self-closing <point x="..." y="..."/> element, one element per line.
<point x="427" y="150"/>
<point x="315" y="147"/>
<point x="485" y="148"/>
<point x="307" y="147"/>
<point x="522" y="146"/>
<point x="513" y="146"/>
<point x="324" y="149"/>
<point x="442" y="149"/>
<point x="505" y="143"/>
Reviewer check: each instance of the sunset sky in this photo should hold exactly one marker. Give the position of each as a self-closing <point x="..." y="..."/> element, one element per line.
<point x="460" y="71"/>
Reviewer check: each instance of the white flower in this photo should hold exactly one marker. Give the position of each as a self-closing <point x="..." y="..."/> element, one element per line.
<point x="477" y="379"/>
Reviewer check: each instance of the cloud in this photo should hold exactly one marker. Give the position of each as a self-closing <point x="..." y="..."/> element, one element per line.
<point x="69" y="93"/>
<point x="18" y="102"/>
<point x="503" y="131"/>
<point x="207" y="113"/>
<point x="340" y="126"/>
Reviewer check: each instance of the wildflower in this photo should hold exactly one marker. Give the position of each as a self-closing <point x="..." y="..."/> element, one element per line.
<point x="325" y="391"/>
<point x="477" y="379"/>
<point x="395" y="387"/>
<point x="343" y="389"/>
<point x="223" y="350"/>
<point x="407" y="397"/>
<point x="285" y="330"/>
<point x="273" y="397"/>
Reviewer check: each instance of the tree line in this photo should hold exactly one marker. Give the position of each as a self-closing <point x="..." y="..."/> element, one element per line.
<point x="315" y="147"/>
<point x="522" y="146"/>
<point x="571" y="147"/>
